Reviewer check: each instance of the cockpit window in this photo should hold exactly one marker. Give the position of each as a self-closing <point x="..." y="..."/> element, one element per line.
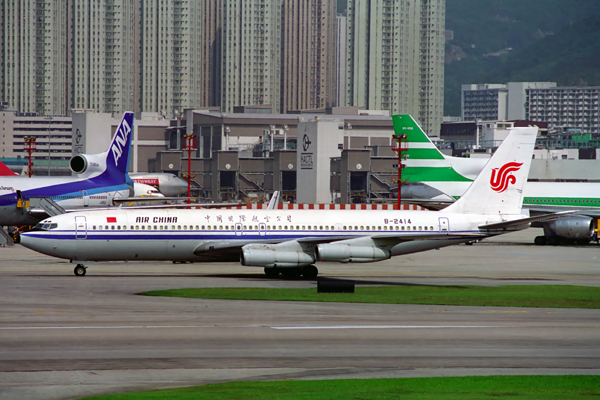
<point x="45" y="226"/>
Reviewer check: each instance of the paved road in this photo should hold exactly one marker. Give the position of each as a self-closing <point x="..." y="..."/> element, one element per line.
<point x="64" y="337"/>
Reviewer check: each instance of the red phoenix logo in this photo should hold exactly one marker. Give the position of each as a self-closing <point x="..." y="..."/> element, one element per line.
<point x="502" y="177"/>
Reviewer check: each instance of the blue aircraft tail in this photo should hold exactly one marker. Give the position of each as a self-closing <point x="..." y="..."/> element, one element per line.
<point x="119" y="150"/>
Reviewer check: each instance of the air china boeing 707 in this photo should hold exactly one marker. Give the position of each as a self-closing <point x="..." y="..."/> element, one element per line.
<point x="292" y="241"/>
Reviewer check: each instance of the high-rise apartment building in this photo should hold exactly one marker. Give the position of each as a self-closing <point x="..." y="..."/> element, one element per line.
<point x="308" y="73"/>
<point x="251" y="54"/>
<point x="210" y="67"/>
<point x="34" y="46"/>
<point x="396" y="57"/>
<point x="341" y="60"/>
<point x="103" y="55"/>
<point x="170" y="56"/>
<point x="102" y="49"/>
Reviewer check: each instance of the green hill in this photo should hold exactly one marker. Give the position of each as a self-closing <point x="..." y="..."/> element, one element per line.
<point x="497" y="41"/>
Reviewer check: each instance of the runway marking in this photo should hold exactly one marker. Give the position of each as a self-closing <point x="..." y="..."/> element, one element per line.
<point x="32" y="328"/>
<point x="380" y="327"/>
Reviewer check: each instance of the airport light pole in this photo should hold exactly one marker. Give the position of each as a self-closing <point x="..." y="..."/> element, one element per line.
<point x="189" y="146"/>
<point x="29" y="146"/>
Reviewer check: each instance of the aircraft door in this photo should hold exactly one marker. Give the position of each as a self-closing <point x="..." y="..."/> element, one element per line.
<point x="239" y="229"/>
<point x="262" y="229"/>
<point x="86" y="198"/>
<point x="80" y="228"/>
<point x="444" y="225"/>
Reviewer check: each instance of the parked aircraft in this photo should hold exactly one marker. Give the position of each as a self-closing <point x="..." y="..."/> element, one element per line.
<point x="435" y="180"/>
<point x="100" y="179"/>
<point x="168" y="184"/>
<point x="291" y="241"/>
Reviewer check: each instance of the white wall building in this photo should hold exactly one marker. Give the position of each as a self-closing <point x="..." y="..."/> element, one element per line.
<point x="565" y="108"/>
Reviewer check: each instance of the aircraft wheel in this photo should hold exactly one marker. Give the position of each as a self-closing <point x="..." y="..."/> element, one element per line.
<point x="541" y="240"/>
<point x="553" y="241"/>
<point x="291" y="273"/>
<point x="80" y="270"/>
<point x="310" y="272"/>
<point x="271" y="272"/>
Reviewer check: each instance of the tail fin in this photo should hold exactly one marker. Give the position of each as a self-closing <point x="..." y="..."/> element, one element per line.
<point x="5" y="171"/>
<point x="274" y="201"/>
<point x="426" y="163"/>
<point x="498" y="189"/>
<point x="420" y="146"/>
<point x="119" y="151"/>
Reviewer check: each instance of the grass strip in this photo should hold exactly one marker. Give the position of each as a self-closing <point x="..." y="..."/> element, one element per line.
<point x="546" y="296"/>
<point x="572" y="387"/>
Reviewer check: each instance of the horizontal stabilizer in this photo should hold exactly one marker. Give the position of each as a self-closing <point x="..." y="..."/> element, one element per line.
<point x="523" y="221"/>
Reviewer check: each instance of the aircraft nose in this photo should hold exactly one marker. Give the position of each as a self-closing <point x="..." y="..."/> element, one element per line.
<point x="179" y="185"/>
<point x="26" y="241"/>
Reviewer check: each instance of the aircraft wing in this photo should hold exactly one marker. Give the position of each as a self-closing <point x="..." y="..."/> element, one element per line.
<point x="167" y="202"/>
<point x="523" y="221"/>
<point x="538" y="211"/>
<point x="380" y="240"/>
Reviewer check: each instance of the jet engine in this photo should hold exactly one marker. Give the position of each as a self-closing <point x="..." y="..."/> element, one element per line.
<point x="579" y="227"/>
<point x="88" y="163"/>
<point x="346" y="253"/>
<point x="274" y="255"/>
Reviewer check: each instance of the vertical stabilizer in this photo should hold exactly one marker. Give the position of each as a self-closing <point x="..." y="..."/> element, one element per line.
<point x="498" y="189"/>
<point x="117" y="158"/>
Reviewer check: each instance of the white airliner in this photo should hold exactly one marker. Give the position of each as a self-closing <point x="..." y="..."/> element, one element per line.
<point x="434" y="180"/>
<point x="167" y="184"/>
<point x="100" y="179"/>
<point x="291" y="241"/>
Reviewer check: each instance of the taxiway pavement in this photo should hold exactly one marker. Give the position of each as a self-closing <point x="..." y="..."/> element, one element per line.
<point x="65" y="337"/>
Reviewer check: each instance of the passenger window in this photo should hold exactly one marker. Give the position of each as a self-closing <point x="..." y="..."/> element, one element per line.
<point x="143" y="227"/>
<point x="112" y="227"/>
<point x="94" y="227"/>
<point x="221" y="227"/>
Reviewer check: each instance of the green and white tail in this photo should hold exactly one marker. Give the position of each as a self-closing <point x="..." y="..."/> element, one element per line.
<point x="426" y="164"/>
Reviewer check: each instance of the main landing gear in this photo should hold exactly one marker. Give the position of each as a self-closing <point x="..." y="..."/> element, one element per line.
<point x="80" y="270"/>
<point x="308" y="272"/>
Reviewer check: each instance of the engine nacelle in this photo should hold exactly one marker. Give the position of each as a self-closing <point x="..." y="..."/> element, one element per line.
<point x="88" y="164"/>
<point x="268" y="255"/>
<point x="346" y="253"/>
<point x="578" y="227"/>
